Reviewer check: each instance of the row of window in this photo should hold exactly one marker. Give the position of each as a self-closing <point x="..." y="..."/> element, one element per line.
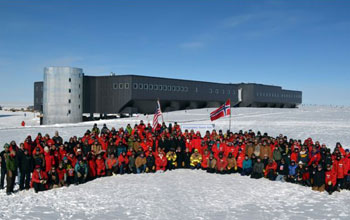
<point x="277" y="95"/>
<point x="223" y="91"/>
<point x="121" y="86"/>
<point x="146" y="86"/>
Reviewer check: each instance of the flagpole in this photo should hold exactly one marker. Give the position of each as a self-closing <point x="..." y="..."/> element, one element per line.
<point x="230" y="117"/>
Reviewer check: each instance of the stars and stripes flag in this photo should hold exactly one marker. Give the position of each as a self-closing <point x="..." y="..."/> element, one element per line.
<point x="222" y="111"/>
<point x="157" y="113"/>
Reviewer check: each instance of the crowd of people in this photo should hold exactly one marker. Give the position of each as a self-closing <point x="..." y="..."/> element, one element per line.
<point x="48" y="162"/>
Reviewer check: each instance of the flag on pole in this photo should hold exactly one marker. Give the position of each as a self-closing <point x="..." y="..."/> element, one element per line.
<point x="156" y="115"/>
<point x="222" y="111"/>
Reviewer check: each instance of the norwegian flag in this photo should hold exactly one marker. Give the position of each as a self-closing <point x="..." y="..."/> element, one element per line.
<point x="222" y="111"/>
<point x="156" y="115"/>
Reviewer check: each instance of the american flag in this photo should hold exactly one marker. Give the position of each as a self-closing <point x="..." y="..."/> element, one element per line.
<point x="156" y="115"/>
<point x="222" y="111"/>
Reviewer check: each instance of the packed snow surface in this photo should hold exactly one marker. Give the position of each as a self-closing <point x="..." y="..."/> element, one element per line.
<point x="187" y="194"/>
<point x="327" y="124"/>
<point x="179" y="194"/>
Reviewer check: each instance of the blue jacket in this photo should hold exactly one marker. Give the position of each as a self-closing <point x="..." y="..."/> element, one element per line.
<point x="247" y="164"/>
<point x="292" y="170"/>
<point x="83" y="169"/>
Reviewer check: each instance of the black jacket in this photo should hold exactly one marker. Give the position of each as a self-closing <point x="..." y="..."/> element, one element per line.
<point x="319" y="178"/>
<point x="26" y="163"/>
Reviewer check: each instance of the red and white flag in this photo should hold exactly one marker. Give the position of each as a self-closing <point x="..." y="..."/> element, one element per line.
<point x="222" y="111"/>
<point x="156" y="115"/>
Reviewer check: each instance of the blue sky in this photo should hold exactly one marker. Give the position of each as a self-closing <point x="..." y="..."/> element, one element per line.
<point x="299" y="45"/>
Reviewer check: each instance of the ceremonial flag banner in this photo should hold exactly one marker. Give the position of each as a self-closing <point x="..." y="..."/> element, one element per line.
<point x="156" y="115"/>
<point x="222" y="111"/>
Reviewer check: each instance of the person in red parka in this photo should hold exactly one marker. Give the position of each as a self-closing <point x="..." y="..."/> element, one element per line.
<point x="92" y="167"/>
<point x="49" y="160"/>
<point x="62" y="174"/>
<point x="331" y="179"/>
<point x="39" y="179"/>
<point x="161" y="162"/>
<point x="270" y="170"/>
<point x="205" y="159"/>
<point x="341" y="170"/>
<point x="100" y="166"/>
<point x="123" y="162"/>
<point x="221" y="164"/>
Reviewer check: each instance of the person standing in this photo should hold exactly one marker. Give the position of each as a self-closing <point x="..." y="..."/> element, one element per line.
<point x="11" y="167"/>
<point x="25" y="167"/>
<point x="3" y="164"/>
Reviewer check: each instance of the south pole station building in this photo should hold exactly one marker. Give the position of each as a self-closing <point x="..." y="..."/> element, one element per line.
<point x="66" y="94"/>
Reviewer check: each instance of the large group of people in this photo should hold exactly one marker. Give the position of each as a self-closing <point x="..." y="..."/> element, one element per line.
<point x="48" y="162"/>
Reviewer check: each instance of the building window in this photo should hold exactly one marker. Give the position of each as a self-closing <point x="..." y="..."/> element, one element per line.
<point x="79" y="86"/>
<point x="126" y="85"/>
<point x="165" y="88"/>
<point x="186" y="89"/>
<point x="223" y="91"/>
<point x="169" y="88"/>
<point x="69" y="101"/>
<point x="233" y="92"/>
<point x="120" y="85"/>
<point x="145" y="86"/>
<point x="150" y="87"/>
<point x="210" y="91"/>
<point x="140" y="86"/>
<point x="79" y="96"/>
<point x="155" y="87"/>
<point x="173" y="88"/>
<point x="229" y="92"/>
<point x="69" y="112"/>
<point x="70" y="91"/>
<point x="79" y="106"/>
<point x="135" y="86"/>
<point x="70" y="80"/>
<point x="216" y="91"/>
<point x="115" y="86"/>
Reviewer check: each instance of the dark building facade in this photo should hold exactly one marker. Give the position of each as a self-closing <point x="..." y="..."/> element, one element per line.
<point x="38" y="96"/>
<point x="138" y="94"/>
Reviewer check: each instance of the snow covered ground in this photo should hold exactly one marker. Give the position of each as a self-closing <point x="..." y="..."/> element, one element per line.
<point x="179" y="194"/>
<point x="326" y="124"/>
<point x="186" y="194"/>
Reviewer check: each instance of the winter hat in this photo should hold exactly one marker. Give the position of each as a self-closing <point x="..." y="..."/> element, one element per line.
<point x="37" y="166"/>
<point x="6" y="145"/>
<point x="65" y="158"/>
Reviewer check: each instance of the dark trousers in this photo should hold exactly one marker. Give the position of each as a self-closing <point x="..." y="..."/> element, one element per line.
<point x="38" y="187"/>
<point x="10" y="182"/>
<point x="3" y="173"/>
<point x="79" y="180"/>
<point x="24" y="180"/>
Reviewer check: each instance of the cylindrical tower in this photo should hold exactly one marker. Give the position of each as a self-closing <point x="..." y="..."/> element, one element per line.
<point x="63" y="95"/>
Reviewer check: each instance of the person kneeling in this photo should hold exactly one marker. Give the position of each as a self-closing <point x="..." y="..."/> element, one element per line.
<point x="196" y="160"/>
<point x="81" y="171"/>
<point x="258" y="169"/>
<point x="39" y="179"/>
